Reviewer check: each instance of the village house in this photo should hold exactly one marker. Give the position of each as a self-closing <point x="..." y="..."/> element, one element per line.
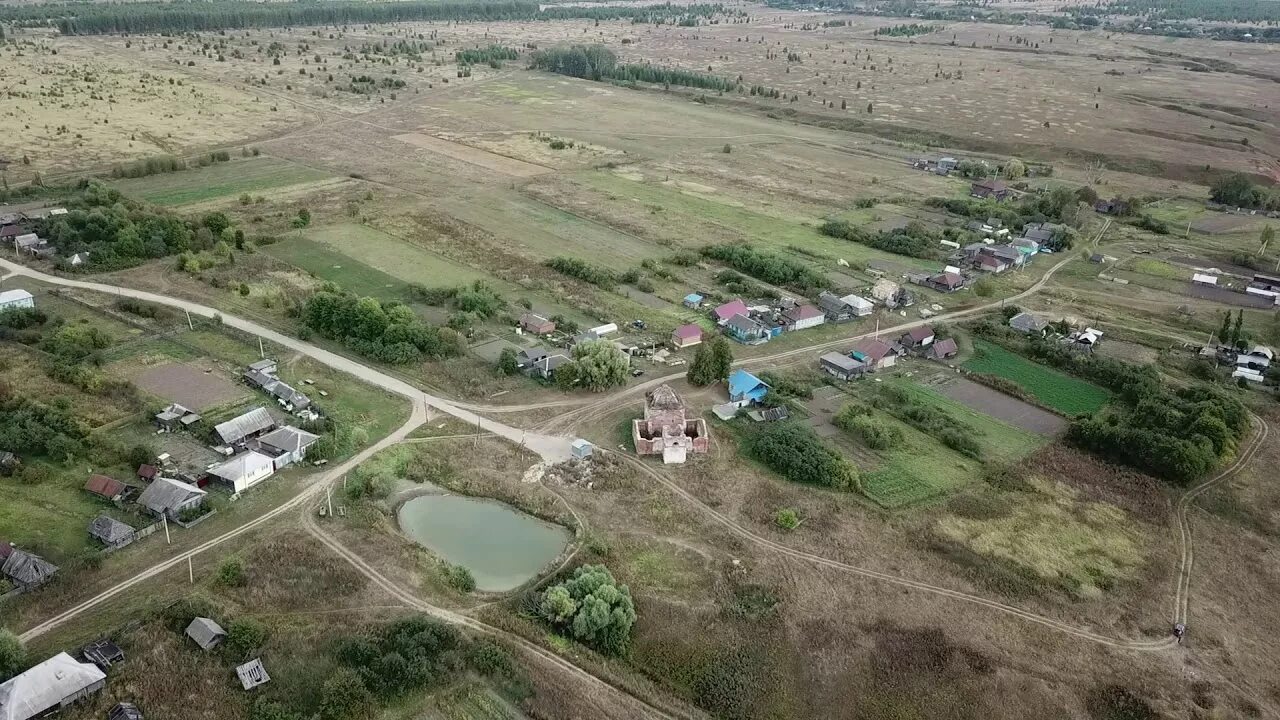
<point x="693" y="301"/>
<point x="167" y="497"/>
<point x="24" y="570"/>
<point x="206" y="633"/>
<point x="729" y="310"/>
<point x="686" y="336"/>
<point x="843" y="309"/>
<point x="536" y="324"/>
<point x="746" y="389"/>
<point x="176" y="417"/>
<point x="746" y="330"/>
<point x="842" y="366"/>
<point x="243" y="471"/>
<point x="249" y="425"/>
<point x="266" y="366"/>
<point x="989" y="189"/>
<point x="286" y="445"/>
<point x="666" y="430"/>
<point x="803" y="317"/>
<point x="942" y="349"/>
<point x="48" y="687"/>
<point x="107" y="488"/>
<point x="545" y="367"/>
<point x="917" y="338"/>
<point x="16" y="298"/>
<point x="261" y="375"/>
<point x="111" y="532"/>
<point x="1028" y="324"/>
<point x="529" y="356"/>
<point x="877" y="355"/>
<point x="946" y="282"/>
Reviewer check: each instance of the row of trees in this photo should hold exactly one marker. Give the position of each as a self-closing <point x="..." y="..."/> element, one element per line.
<point x="586" y="272"/>
<point x="913" y="240"/>
<point x="597" y="62"/>
<point x="212" y="15"/>
<point x="387" y="332"/>
<point x="773" y="269"/>
<point x="711" y="363"/>
<point x="492" y="55"/>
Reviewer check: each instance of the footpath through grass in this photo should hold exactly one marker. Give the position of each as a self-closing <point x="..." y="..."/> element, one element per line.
<point x="1063" y="393"/>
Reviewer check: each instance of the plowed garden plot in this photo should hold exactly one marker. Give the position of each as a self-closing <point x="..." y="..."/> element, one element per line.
<point x="1002" y="407"/>
<point x="1063" y="393"/>
<point x="187" y="385"/>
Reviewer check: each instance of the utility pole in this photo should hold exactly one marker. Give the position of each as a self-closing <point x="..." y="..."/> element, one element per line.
<point x="328" y="499"/>
<point x="262" y="354"/>
<point x="190" y="325"/>
<point x="477" y="431"/>
<point x="165" y="519"/>
<point x="191" y="573"/>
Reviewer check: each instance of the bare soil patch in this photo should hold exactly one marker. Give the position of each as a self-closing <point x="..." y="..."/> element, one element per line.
<point x="187" y="385"/>
<point x="474" y="156"/>
<point x="1002" y="407"/>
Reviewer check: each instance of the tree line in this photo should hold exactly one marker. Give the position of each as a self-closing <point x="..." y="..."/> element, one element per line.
<point x="387" y="332"/>
<point x="213" y="15"/>
<point x="773" y="269"/>
<point x="599" y="63"/>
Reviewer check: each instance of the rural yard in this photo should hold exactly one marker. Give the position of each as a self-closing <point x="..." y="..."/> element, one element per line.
<point x="506" y="361"/>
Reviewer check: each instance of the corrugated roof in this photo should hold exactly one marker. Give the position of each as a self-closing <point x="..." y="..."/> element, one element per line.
<point x="289" y="439"/>
<point x="165" y="494"/>
<point x="252" y="674"/>
<point x="46" y="685"/>
<point x="237" y="429"/>
<point x="109" y="488"/>
<point x="244" y="465"/>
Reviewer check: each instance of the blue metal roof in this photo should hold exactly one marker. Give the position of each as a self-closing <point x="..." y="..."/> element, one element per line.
<point x="742" y="382"/>
<point x="693" y="297"/>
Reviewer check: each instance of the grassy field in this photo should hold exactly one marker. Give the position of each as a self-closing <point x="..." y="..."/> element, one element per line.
<point x="228" y="179"/>
<point x="330" y="265"/>
<point x="393" y="257"/>
<point x="923" y="468"/>
<point x="1062" y="393"/>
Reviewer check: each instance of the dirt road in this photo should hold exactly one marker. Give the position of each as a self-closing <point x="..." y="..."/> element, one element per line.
<point x="550" y="448"/>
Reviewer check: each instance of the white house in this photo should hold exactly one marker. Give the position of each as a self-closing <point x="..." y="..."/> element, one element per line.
<point x="860" y="305"/>
<point x="53" y="684"/>
<point x="244" y="470"/>
<point x="16" y="299"/>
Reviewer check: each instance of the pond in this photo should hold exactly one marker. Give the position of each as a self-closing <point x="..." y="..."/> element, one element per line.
<point x="502" y="547"/>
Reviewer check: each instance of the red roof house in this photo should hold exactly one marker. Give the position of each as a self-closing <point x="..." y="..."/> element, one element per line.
<point x="105" y="487"/>
<point x="730" y="309"/>
<point x="686" y="336"/>
<point x="147" y="472"/>
<point x="876" y="354"/>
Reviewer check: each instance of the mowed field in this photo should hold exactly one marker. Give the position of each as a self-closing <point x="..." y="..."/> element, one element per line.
<point x="221" y="180"/>
<point x="1063" y="393"/>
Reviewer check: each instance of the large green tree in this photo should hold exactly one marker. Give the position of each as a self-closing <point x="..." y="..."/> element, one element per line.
<point x="593" y="607"/>
<point x="600" y="365"/>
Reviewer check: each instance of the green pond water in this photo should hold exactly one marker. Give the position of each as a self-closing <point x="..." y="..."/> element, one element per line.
<point x="502" y="547"/>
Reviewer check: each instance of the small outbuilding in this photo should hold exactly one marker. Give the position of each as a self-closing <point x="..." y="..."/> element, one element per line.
<point x="942" y="349"/>
<point x="536" y="324"/>
<point x="206" y="632"/>
<point x="102" y="653"/>
<point x="693" y="301"/>
<point x="842" y="366"/>
<point x="111" y="532"/>
<point x="581" y="449"/>
<point x="107" y="488"/>
<point x="686" y="336"/>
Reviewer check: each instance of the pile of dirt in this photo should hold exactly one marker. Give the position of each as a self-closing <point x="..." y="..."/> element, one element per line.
<point x="591" y="473"/>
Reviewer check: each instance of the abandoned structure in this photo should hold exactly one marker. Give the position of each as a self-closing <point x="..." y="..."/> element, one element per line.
<point x="664" y="430"/>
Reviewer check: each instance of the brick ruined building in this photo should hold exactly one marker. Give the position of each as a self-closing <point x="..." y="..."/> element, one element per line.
<point x="664" y="430"/>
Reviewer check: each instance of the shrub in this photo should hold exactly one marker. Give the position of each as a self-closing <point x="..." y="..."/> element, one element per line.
<point x="795" y="452"/>
<point x="231" y="573"/>
<point x="787" y="519"/>
<point x="875" y="435"/>
<point x="593" y="607"/>
<point x="460" y="579"/>
<point x="244" y="637"/>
